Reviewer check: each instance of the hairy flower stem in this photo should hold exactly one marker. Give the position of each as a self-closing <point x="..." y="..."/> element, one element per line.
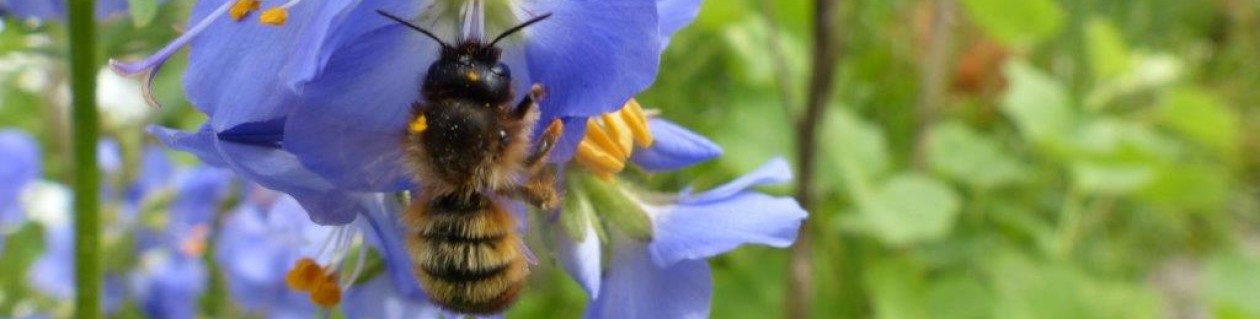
<point x="825" y="57"/>
<point x="87" y="220"/>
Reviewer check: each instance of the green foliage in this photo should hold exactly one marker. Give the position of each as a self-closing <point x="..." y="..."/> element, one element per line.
<point x="1017" y="23"/>
<point x="142" y="11"/>
<point x="907" y="208"/>
<point x="1117" y="142"/>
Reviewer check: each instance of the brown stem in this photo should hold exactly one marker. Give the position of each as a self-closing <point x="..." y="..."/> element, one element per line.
<point x="826" y="55"/>
<point x="932" y="79"/>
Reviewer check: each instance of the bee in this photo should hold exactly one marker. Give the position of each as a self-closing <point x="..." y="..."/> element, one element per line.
<point x="469" y="148"/>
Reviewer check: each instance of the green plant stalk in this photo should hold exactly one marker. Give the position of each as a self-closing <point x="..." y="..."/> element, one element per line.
<point x="85" y="123"/>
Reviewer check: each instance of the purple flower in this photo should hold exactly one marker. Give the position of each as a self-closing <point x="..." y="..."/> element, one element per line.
<point x="336" y="80"/>
<point x="20" y="167"/>
<point x="171" y="278"/>
<point x="261" y="242"/>
<point x="666" y="276"/>
<point x="256" y="246"/>
<point x="254" y="153"/>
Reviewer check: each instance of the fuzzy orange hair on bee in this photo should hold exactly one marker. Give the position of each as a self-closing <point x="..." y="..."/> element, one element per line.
<point x="468" y="148"/>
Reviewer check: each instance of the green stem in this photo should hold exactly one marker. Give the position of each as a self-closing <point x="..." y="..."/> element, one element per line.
<point x="87" y="220"/>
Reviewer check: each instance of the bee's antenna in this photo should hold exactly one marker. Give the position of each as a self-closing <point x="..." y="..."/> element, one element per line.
<point x="413" y="27"/>
<point x="519" y="27"/>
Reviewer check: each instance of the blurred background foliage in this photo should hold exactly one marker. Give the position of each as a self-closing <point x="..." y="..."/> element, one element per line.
<point x="980" y="158"/>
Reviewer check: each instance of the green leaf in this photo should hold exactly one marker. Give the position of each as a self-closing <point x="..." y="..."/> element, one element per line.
<point x="142" y="11"/>
<point x="964" y="155"/>
<point x="1199" y="187"/>
<point x="1038" y="104"/>
<point x="1232" y="284"/>
<point x="1108" y="54"/>
<point x="958" y="296"/>
<point x="858" y="143"/>
<point x="909" y="209"/>
<point x="1111" y="179"/>
<point x="896" y="289"/>
<point x="1201" y="117"/>
<point x="1023" y="23"/>
<point x="1028" y="288"/>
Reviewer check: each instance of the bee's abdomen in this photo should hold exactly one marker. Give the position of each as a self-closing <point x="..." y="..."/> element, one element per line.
<point x="466" y="253"/>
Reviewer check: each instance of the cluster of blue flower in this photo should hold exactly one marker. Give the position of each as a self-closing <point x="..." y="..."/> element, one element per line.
<point x="312" y="101"/>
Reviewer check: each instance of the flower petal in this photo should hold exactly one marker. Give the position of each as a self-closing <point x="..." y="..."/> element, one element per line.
<point x="635" y="287"/>
<point x="270" y="167"/>
<point x="200" y="192"/>
<point x="776" y="171"/>
<point x="675" y="147"/>
<point x="580" y="259"/>
<point x="387" y="236"/>
<point x="380" y="299"/>
<point x="593" y="56"/>
<point x="236" y="68"/>
<point x="172" y="288"/>
<point x="21" y="166"/>
<point x="695" y="232"/>
<point x="674" y="15"/>
<point x="350" y="127"/>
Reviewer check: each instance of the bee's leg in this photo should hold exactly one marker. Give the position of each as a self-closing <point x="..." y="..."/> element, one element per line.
<point x="546" y="143"/>
<point x="529" y="104"/>
<point x="540" y="190"/>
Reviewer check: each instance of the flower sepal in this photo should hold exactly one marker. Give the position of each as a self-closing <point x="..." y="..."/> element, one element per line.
<point x="611" y="203"/>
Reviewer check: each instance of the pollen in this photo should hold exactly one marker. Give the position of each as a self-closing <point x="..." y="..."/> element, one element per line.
<point x="327" y="294"/>
<point x="634" y="116"/>
<point x="611" y="139"/>
<point x="598" y="160"/>
<point x="275" y="16"/>
<point x="473" y="76"/>
<point x="308" y="276"/>
<point x="304" y="276"/>
<point x="242" y="8"/>
<point x="418" y="125"/>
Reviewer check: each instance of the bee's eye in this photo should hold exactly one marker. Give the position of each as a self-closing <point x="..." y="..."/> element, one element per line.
<point x="503" y="138"/>
<point x="502" y="70"/>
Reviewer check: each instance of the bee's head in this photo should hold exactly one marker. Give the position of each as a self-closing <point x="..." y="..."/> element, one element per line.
<point x="469" y="71"/>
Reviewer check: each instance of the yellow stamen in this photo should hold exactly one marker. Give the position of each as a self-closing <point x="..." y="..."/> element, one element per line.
<point x="418" y="125"/>
<point x="619" y="131"/>
<point x="304" y="276"/>
<point x="598" y="159"/>
<point x="632" y="113"/>
<point x="242" y="8"/>
<point x="473" y="76"/>
<point x="275" y="16"/>
<point x="597" y="135"/>
<point x="327" y="293"/>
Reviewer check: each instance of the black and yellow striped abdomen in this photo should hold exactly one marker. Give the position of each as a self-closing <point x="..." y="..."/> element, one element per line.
<point x="466" y="252"/>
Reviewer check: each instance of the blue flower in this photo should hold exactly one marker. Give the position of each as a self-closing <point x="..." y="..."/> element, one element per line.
<point x="338" y="78"/>
<point x="20" y="167"/>
<point x="667" y="277"/>
<point x="257" y="244"/>
<point x="171" y="277"/>
<point x="254" y="152"/>
<point x="263" y="240"/>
